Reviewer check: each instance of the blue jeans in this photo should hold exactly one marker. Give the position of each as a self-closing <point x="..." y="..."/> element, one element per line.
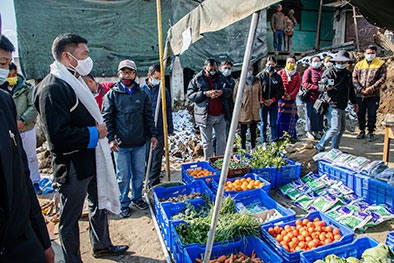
<point x="337" y="120"/>
<point x="130" y="165"/>
<point x="273" y="112"/>
<point x="278" y="38"/>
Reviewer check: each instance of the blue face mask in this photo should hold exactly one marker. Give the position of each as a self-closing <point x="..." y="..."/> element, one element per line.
<point x="340" y="66"/>
<point x="270" y="68"/>
<point x="226" y="72"/>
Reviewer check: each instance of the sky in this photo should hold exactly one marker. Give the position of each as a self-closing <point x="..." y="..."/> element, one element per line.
<point x="7" y="12"/>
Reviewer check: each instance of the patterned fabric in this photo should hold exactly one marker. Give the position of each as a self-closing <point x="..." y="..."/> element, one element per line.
<point x="369" y="75"/>
<point x="287" y="118"/>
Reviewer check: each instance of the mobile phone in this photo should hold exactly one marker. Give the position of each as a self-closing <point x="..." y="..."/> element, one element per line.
<point x="330" y="82"/>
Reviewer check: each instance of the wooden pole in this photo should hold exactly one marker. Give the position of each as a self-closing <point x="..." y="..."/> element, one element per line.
<point x="317" y="40"/>
<point x="163" y="89"/>
<point x="356" y="28"/>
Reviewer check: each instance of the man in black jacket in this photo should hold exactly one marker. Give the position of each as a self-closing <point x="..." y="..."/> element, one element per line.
<point x="127" y="111"/>
<point x="210" y="92"/>
<point x="340" y="90"/>
<point x="73" y="135"/>
<point x="23" y="233"/>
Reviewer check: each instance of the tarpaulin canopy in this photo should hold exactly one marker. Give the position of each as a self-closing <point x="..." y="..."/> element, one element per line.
<point x="377" y="12"/>
<point x="120" y="29"/>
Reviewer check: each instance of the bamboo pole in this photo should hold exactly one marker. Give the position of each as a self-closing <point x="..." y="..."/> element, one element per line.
<point x="230" y="140"/>
<point x="163" y="89"/>
<point x="356" y="28"/>
<point x="317" y="40"/>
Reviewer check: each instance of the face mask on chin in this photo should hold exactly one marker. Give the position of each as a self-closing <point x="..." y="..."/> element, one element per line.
<point x="84" y="67"/>
<point x="3" y="75"/>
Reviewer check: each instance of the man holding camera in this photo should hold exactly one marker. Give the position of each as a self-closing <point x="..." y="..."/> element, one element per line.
<point x="338" y="84"/>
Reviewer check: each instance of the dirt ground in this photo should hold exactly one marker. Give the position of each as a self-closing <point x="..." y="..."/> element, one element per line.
<point x="139" y="232"/>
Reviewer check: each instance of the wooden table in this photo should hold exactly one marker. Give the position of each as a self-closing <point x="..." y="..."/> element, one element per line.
<point x="388" y="135"/>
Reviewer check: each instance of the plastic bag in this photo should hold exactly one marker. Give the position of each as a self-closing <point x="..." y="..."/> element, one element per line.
<point x="386" y="176"/>
<point x="331" y="155"/>
<point x="374" y="168"/>
<point x="305" y="201"/>
<point x="343" y="159"/>
<point x="324" y="203"/>
<point x="310" y="177"/>
<point x="341" y="188"/>
<point x="357" y="164"/>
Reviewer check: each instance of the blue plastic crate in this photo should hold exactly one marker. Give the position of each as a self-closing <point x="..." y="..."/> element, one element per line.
<point x="354" y="249"/>
<point x="360" y="185"/>
<point x="390" y="239"/>
<point x="160" y="192"/>
<point x="268" y="174"/>
<point x="380" y="192"/>
<point x="187" y="178"/>
<point x="245" y="245"/>
<point x="288" y="173"/>
<point x="259" y="196"/>
<point x="293" y="257"/>
<point x="215" y="184"/>
<point x="168" y="210"/>
<point x="337" y="173"/>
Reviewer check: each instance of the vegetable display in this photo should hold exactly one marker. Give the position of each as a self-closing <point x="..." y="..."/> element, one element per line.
<point x="231" y="225"/>
<point x="199" y="172"/>
<point x="235" y="258"/>
<point x="379" y="254"/>
<point x="182" y="198"/>
<point x="232" y="165"/>
<point x="243" y="184"/>
<point x="305" y="235"/>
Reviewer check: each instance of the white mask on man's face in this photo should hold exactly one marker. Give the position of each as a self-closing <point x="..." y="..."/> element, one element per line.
<point x="84" y="66"/>
<point x="3" y="75"/>
<point x="155" y="82"/>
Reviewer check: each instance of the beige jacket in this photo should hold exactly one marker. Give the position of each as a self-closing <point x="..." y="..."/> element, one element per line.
<point x="250" y="106"/>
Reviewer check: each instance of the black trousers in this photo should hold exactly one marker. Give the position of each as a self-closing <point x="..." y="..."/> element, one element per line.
<point x="72" y="198"/>
<point x="253" y="135"/>
<point x="367" y="106"/>
<point x="157" y="157"/>
<point x="25" y="249"/>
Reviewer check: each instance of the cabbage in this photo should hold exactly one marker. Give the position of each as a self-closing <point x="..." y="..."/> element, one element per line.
<point x="379" y="254"/>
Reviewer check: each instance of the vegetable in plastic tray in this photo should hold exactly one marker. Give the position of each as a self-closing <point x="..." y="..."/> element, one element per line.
<point x="379" y="254"/>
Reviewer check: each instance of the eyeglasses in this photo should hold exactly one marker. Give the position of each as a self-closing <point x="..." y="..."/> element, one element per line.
<point x="128" y="73"/>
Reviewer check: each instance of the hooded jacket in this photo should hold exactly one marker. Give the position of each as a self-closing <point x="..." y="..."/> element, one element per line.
<point x="22" y="94"/>
<point x="128" y="117"/>
<point x="196" y="94"/>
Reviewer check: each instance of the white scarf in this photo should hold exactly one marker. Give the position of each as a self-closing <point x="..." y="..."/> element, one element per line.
<point x="107" y="187"/>
<point x="290" y="73"/>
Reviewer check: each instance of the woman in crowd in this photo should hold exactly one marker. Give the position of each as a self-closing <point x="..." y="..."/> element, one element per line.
<point x="287" y="111"/>
<point x="272" y="92"/>
<point x="310" y="79"/>
<point x="250" y="107"/>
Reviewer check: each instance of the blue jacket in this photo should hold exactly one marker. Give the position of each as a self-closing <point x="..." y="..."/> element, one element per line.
<point x="153" y="93"/>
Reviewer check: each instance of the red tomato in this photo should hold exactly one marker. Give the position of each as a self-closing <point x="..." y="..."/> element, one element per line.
<point x="327" y="241"/>
<point x="271" y="231"/>
<point x="308" y="238"/>
<point x="310" y="224"/>
<point x="299" y="223"/>
<point x="277" y="229"/>
<point x="287" y="228"/>
<point x="322" y="237"/>
<point x="300" y="238"/>
<point x="337" y="237"/>
<point x="311" y="229"/>
<point x="296" y="232"/>
<point x="316" y="219"/>
<point x="336" y="231"/>
<point x="301" y="244"/>
<point x="286" y="247"/>
<point x="312" y="244"/>
<point x="305" y="222"/>
<point x="286" y="238"/>
<point x="279" y="238"/>
<point x="329" y="229"/>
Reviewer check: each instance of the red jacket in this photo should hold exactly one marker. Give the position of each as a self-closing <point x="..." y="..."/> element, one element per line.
<point x="104" y="87"/>
<point x="310" y="81"/>
<point x="293" y="86"/>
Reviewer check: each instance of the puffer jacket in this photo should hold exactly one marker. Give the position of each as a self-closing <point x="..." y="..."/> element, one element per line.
<point x="128" y="117"/>
<point x="310" y="81"/>
<point x="250" y="107"/>
<point x="195" y="93"/>
<point x="22" y="94"/>
<point x="271" y="86"/>
<point x="369" y="75"/>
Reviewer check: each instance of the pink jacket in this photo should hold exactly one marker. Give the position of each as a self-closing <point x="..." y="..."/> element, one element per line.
<point x="310" y="81"/>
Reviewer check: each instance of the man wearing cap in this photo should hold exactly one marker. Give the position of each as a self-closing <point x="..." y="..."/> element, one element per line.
<point x="127" y="112"/>
<point x="368" y="76"/>
<point x="337" y="82"/>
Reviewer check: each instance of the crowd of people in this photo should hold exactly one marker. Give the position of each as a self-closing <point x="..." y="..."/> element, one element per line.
<point x="100" y="134"/>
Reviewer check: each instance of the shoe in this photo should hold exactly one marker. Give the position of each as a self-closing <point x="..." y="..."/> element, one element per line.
<point x="37" y="189"/>
<point x="309" y="135"/>
<point x="140" y="204"/>
<point x="318" y="149"/>
<point x="111" y="251"/>
<point x="316" y="135"/>
<point x="361" y="135"/>
<point x="370" y="137"/>
<point x="125" y="213"/>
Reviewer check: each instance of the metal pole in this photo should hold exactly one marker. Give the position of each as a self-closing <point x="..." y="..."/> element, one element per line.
<point x="317" y="40"/>
<point x="149" y="165"/>
<point x="163" y="89"/>
<point x="356" y="28"/>
<point x="230" y="140"/>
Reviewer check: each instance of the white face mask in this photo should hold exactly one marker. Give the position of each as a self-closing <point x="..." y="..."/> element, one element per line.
<point x="340" y="66"/>
<point x="328" y="64"/>
<point x="316" y="64"/>
<point x="155" y="81"/>
<point x="84" y="66"/>
<point x="369" y="57"/>
<point x="226" y="72"/>
<point x="3" y="75"/>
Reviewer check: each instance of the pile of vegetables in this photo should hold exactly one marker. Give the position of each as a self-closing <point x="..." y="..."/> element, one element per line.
<point x="182" y="198"/>
<point x="379" y="254"/>
<point x="243" y="184"/>
<point x="231" y="225"/>
<point x="234" y="258"/>
<point x="305" y="235"/>
<point x="199" y="172"/>
<point x="232" y="164"/>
